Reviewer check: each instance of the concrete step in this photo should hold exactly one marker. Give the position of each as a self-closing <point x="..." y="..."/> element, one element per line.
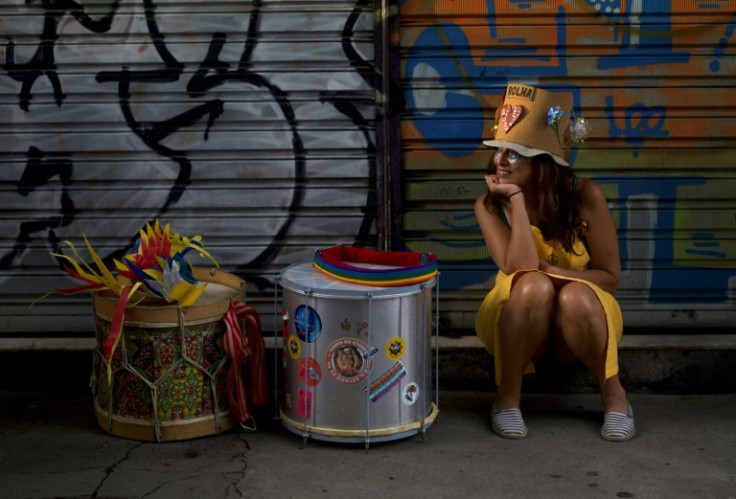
<point x="649" y="363"/>
<point x="654" y="363"/>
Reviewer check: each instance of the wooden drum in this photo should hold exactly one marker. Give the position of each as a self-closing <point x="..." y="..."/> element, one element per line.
<point x="168" y="371"/>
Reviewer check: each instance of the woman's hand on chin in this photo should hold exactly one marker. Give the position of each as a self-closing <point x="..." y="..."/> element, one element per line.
<point x="497" y="187"/>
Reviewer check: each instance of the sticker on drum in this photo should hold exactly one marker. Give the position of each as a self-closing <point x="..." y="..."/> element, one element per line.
<point x="347" y="360"/>
<point x="363" y="328"/>
<point x="294" y="346"/>
<point x="310" y="371"/>
<point x="304" y="404"/>
<point x="386" y="381"/>
<point x="395" y="348"/>
<point x="307" y="323"/>
<point x="411" y="393"/>
<point x="285" y="355"/>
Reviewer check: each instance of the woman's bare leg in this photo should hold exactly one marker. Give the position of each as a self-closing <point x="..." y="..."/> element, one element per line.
<point x="524" y="328"/>
<point x="581" y="325"/>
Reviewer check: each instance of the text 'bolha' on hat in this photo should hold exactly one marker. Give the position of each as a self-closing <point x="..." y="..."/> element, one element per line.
<point x="532" y="121"/>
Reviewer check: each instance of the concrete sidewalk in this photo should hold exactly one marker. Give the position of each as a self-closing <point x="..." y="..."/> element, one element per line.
<point x="685" y="448"/>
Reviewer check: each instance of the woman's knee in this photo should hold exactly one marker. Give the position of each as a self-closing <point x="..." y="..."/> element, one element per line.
<point x="580" y="315"/>
<point x="577" y="301"/>
<point x="534" y="289"/>
<point x="580" y="320"/>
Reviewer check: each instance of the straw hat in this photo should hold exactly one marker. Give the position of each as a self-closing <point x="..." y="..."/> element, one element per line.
<point x="532" y="121"/>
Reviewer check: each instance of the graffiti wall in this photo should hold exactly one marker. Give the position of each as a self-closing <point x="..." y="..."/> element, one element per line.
<point x="248" y="122"/>
<point x="655" y="79"/>
<point x="257" y="125"/>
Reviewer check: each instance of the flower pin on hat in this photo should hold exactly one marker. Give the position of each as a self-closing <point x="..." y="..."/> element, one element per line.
<point x="554" y="115"/>
<point x="579" y="130"/>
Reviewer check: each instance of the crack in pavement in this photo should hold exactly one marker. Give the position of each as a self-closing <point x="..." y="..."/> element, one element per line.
<point x="111" y="469"/>
<point x="234" y="478"/>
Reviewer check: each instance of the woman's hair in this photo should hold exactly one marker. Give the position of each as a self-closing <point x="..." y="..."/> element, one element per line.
<point x="558" y="207"/>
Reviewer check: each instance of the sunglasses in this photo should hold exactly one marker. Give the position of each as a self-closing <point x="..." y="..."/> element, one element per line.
<point x="511" y="155"/>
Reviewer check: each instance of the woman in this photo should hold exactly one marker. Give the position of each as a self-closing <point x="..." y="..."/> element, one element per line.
<point x="554" y="241"/>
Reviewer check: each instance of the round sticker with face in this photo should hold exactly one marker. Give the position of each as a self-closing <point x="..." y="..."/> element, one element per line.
<point x="411" y="393"/>
<point x="347" y="360"/>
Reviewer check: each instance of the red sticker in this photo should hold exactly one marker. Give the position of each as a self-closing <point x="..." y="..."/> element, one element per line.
<point x="510" y="115"/>
<point x="304" y="405"/>
<point x="310" y="371"/>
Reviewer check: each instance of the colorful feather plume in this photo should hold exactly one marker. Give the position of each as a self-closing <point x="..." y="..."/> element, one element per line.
<point x="156" y="268"/>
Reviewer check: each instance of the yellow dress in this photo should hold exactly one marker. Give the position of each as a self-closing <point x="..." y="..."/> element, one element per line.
<point x="486" y="322"/>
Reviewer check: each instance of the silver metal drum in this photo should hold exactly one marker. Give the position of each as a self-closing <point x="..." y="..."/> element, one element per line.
<point x="357" y="359"/>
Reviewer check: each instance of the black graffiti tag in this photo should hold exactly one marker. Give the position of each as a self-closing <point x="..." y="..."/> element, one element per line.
<point x="39" y="170"/>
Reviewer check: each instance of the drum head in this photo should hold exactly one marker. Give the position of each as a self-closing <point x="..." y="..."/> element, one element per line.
<point x="305" y="279"/>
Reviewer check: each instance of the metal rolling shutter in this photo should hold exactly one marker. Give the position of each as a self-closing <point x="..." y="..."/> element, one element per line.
<point x="250" y="123"/>
<point x="657" y="82"/>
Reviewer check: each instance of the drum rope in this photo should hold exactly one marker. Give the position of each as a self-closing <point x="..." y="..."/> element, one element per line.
<point x="437" y="342"/>
<point x="369" y="294"/>
<point x="423" y="391"/>
<point x="242" y="348"/>
<point x="307" y="407"/>
<point x="284" y="318"/>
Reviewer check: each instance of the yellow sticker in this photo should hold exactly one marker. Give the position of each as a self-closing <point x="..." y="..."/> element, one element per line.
<point x="294" y="346"/>
<point x="395" y="348"/>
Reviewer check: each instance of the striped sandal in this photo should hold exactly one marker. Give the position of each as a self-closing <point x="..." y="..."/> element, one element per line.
<point x="508" y="423"/>
<point x="617" y="426"/>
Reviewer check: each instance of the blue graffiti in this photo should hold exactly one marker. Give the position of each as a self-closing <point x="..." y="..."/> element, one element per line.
<point x="705" y="240"/>
<point x="514" y="47"/>
<point x="645" y="37"/>
<point x="671" y="282"/>
<point x="640" y="122"/>
<point x="455" y="126"/>
<point x="441" y="58"/>
<point x="463" y="225"/>
<point x="720" y="50"/>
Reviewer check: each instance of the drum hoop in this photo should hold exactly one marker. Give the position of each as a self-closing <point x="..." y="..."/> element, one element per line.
<point x="316" y="431"/>
<point x="407" y="267"/>
<point x="161" y="325"/>
<point x="160" y="315"/>
<point x="349" y="294"/>
<point x="164" y="423"/>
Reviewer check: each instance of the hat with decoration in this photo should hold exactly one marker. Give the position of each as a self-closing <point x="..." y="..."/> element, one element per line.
<point x="532" y="121"/>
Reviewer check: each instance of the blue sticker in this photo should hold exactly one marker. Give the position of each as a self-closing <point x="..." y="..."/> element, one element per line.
<point x="307" y="323"/>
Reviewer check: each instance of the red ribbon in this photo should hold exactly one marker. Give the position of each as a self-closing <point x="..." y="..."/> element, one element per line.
<point x="240" y="348"/>
<point x="116" y="327"/>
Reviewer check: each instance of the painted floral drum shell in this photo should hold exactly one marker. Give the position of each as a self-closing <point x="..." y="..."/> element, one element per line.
<point x="168" y="372"/>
